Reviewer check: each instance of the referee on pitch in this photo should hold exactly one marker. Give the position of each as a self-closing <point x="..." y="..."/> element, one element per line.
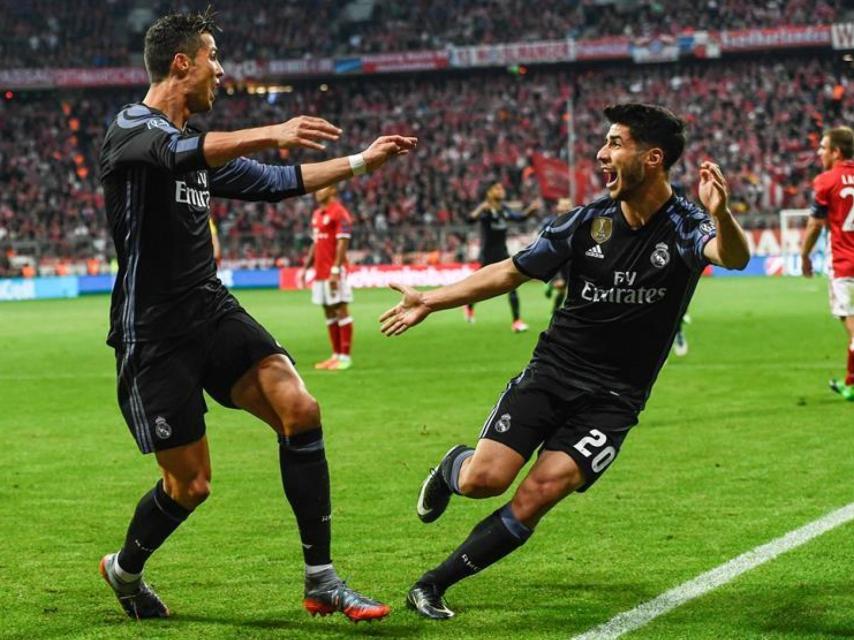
<point x="175" y="328"/>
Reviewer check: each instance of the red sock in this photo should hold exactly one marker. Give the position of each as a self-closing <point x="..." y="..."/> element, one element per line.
<point x="345" y="325"/>
<point x="334" y="334"/>
<point x="849" y="379"/>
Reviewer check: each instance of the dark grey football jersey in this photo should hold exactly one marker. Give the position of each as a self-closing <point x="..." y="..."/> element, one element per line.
<point x="626" y="292"/>
<point x="157" y="190"/>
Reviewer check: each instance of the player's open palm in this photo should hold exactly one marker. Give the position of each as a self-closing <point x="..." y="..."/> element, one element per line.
<point x="305" y="131"/>
<point x="714" y="193"/>
<point x="407" y="313"/>
<point x="386" y="147"/>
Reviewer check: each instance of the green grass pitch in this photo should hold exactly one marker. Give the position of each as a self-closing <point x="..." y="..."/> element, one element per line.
<point x="740" y="443"/>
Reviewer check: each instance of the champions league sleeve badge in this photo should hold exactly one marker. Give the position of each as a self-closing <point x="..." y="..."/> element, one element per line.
<point x="660" y="258"/>
<point x="601" y="229"/>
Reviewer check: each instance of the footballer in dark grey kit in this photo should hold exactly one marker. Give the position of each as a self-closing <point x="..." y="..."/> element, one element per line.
<point x="632" y="259"/>
<point x="176" y="329"/>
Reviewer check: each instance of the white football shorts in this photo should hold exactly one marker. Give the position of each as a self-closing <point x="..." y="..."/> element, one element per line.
<point x="842" y="297"/>
<point x="321" y="292"/>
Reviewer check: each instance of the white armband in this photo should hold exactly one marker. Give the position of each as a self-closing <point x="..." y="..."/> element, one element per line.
<point x="357" y="164"/>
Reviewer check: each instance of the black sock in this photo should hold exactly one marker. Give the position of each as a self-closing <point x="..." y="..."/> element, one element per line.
<point x="450" y="469"/>
<point x="514" y="304"/>
<point x="305" y="478"/>
<point x="493" y="538"/>
<point x="156" y="517"/>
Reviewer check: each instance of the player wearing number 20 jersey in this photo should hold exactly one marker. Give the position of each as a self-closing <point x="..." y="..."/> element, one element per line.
<point x="633" y="260"/>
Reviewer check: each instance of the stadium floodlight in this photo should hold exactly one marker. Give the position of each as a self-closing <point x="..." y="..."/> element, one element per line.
<point x="792" y="223"/>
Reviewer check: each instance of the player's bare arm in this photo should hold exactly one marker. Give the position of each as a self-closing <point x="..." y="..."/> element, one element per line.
<point x="309" y="262"/>
<point x="493" y="280"/>
<point x="729" y="249"/>
<point x="534" y="206"/>
<point x="340" y="257"/>
<point x="811" y="235"/>
<point x="303" y="131"/>
<point x="316" y="175"/>
<point x="478" y="210"/>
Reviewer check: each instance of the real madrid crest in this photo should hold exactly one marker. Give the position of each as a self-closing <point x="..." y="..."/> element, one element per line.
<point x="162" y="428"/>
<point x="661" y="256"/>
<point x="503" y="423"/>
<point x="600" y="229"/>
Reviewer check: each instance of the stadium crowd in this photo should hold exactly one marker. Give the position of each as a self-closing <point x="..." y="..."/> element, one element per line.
<point x="759" y="118"/>
<point x="45" y="33"/>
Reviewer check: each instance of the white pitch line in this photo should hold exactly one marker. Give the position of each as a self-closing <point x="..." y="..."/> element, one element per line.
<point x="648" y="611"/>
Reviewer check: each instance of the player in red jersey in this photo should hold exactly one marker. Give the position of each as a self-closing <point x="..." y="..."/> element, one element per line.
<point x="331" y="225"/>
<point x="833" y="207"/>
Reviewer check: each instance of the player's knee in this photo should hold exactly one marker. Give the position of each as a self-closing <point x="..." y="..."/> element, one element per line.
<point x="535" y="496"/>
<point x="189" y="493"/>
<point x="301" y="414"/>
<point x="482" y="482"/>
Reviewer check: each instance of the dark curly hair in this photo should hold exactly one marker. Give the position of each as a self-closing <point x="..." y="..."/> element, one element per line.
<point x="651" y="126"/>
<point x="175" y="33"/>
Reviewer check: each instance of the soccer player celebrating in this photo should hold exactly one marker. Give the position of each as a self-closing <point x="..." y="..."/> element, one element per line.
<point x="331" y="225"/>
<point x="833" y="207"/>
<point x="493" y="214"/>
<point x="634" y="257"/>
<point x="176" y="329"/>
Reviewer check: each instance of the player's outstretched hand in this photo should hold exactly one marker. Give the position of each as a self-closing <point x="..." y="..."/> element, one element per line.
<point x="714" y="193"/>
<point x="407" y="313"/>
<point x="386" y="147"/>
<point x="305" y="131"/>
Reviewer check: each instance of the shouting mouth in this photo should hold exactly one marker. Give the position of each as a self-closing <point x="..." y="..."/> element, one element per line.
<point x="610" y="178"/>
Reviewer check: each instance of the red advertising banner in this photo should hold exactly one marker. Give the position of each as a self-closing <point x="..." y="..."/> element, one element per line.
<point x="414" y="275"/>
<point x="612" y="48"/>
<point x="499" y="55"/>
<point x="405" y="61"/>
<point x="553" y="176"/>
<point x="776" y="38"/>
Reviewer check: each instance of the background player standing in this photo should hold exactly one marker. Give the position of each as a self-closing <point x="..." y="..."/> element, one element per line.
<point x="493" y="214"/>
<point x="176" y="329"/>
<point x="634" y="257"/>
<point x="833" y="207"/>
<point x="331" y="227"/>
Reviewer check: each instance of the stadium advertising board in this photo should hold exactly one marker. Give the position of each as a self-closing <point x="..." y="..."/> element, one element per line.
<point x="38" y="288"/>
<point x="777" y="38"/>
<point x="364" y="276"/>
<point x="405" y="61"/>
<point x="498" y="55"/>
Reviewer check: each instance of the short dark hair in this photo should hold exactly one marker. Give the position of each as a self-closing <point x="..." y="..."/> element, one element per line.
<point x="841" y="138"/>
<point x="651" y="126"/>
<point x="175" y="33"/>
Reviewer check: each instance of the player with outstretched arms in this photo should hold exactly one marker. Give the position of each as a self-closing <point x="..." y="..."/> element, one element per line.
<point x="634" y="258"/>
<point x="833" y="207"/>
<point x="493" y="216"/>
<point x="176" y="329"/>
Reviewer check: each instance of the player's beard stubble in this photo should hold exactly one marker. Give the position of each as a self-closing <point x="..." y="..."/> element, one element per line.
<point x="630" y="177"/>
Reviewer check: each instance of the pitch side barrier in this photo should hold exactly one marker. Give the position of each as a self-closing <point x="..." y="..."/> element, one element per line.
<point x="641" y="50"/>
<point x="360" y="276"/>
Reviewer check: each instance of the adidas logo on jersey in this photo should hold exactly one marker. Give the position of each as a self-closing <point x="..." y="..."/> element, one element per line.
<point x="595" y="252"/>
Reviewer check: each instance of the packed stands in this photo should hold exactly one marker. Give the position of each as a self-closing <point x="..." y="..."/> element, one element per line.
<point x="45" y="33"/>
<point x="760" y="118"/>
